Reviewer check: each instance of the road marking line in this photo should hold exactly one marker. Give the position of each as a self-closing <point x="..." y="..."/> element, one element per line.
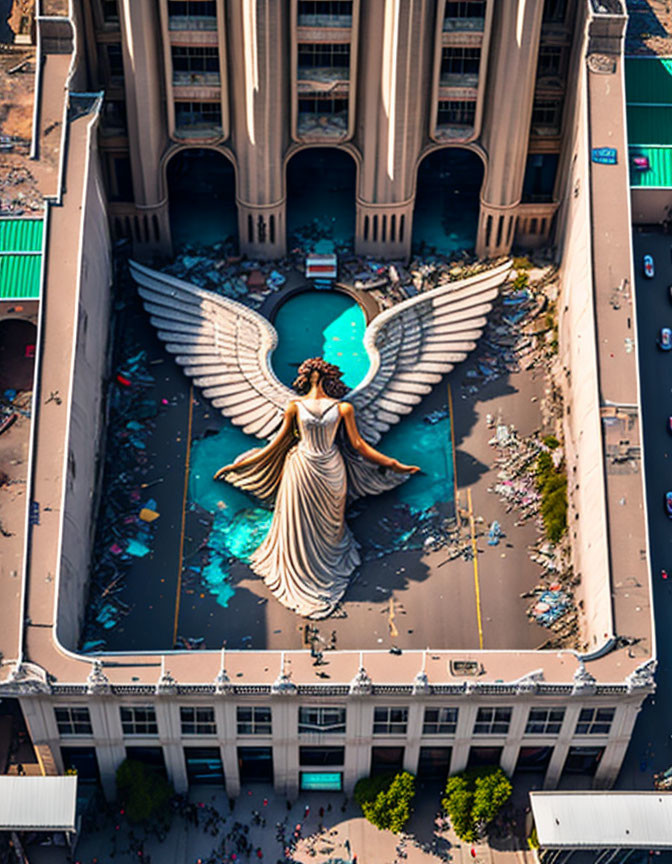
<point x="477" y="589"/>
<point x="452" y="447"/>
<point x="184" y="514"/>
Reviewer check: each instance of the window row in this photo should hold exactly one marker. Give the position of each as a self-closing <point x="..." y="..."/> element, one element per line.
<point x="257" y="720"/>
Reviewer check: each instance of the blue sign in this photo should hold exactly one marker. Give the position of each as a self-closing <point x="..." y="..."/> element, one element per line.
<point x="604" y="155"/>
<point x="324" y="781"/>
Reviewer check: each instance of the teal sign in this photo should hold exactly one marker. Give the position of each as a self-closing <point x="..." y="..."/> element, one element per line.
<point x="604" y="155"/>
<point x="324" y="781"/>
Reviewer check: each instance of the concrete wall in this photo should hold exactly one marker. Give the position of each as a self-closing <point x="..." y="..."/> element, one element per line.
<point x="578" y="355"/>
<point x="86" y="422"/>
<point x="650" y="205"/>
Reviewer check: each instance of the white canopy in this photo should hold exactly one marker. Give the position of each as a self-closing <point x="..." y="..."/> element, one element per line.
<point x="638" y="820"/>
<point x="38" y="803"/>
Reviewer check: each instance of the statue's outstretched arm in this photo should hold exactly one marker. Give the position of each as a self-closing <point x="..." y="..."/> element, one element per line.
<point x="286" y="430"/>
<point x="366" y="450"/>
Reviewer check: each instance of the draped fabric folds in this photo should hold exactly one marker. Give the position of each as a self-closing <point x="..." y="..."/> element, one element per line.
<point x="309" y="553"/>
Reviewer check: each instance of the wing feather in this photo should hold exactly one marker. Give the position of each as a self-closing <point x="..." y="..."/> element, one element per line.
<point x="223" y="345"/>
<point x="413" y="344"/>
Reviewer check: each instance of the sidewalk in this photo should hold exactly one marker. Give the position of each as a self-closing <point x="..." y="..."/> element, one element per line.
<point x="332" y="831"/>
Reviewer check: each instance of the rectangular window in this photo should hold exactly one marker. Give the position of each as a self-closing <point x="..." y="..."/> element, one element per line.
<point x="114" y="117"/>
<point x="440" y="721"/>
<point x="253" y="721"/>
<point x="465" y="9"/>
<point x="390" y="721"/>
<point x="492" y="721"/>
<point x="550" y="60"/>
<point x="115" y="63"/>
<point x="323" y="55"/>
<point x="547" y="116"/>
<point x="323" y="105"/>
<point x="325" y="13"/>
<point x="452" y="113"/>
<point x="316" y="757"/>
<point x="198" y="721"/>
<point x="195" y="64"/>
<point x="456" y="60"/>
<point x="555" y="11"/>
<point x="73" y="721"/>
<point x="198" y="115"/>
<point x="544" y="721"/>
<point x="139" y="721"/>
<point x="192" y="15"/>
<point x="330" y="720"/>
<point x="595" y="721"/>
<point x="110" y="11"/>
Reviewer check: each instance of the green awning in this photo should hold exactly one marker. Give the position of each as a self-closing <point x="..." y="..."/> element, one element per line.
<point x="20" y="258"/>
<point x="649" y="125"/>
<point x="648" y="80"/>
<point x="659" y="172"/>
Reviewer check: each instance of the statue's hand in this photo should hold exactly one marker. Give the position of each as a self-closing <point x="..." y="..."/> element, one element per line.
<point x="400" y="468"/>
<point x="222" y="471"/>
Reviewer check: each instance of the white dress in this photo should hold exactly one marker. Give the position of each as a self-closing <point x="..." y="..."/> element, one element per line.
<point x="309" y="553"/>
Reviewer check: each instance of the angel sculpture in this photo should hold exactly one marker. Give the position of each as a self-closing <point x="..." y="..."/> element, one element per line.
<point x="321" y="452"/>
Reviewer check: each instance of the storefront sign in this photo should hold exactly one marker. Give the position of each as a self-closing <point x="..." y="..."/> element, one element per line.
<point x="322" y="781"/>
<point x="604" y="155"/>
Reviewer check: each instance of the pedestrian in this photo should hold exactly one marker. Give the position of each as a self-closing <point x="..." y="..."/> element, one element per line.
<point x="20" y="770"/>
<point x="306" y="812"/>
<point x="321" y="812"/>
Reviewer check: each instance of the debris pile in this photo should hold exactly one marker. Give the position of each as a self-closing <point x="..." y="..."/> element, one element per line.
<point x="128" y="514"/>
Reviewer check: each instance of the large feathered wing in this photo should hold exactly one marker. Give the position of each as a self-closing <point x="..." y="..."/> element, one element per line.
<point x="413" y="344"/>
<point x="224" y="346"/>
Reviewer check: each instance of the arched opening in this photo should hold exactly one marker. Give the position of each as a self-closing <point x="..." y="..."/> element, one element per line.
<point x="447" y="201"/>
<point x="321" y="186"/>
<point x="202" y="196"/>
<point x="17" y="354"/>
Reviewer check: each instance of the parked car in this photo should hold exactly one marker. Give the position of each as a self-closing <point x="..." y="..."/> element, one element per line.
<point x="665" y="339"/>
<point x="668" y="504"/>
<point x="669" y="425"/>
<point x="649" y="268"/>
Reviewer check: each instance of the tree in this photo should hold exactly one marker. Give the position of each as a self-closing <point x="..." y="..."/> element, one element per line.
<point x="386" y="800"/>
<point x="143" y="790"/>
<point x="473" y="799"/>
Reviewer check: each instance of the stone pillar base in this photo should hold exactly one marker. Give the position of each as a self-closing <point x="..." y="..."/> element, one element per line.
<point x="384" y="230"/>
<point x="496" y="228"/>
<point x="147" y="228"/>
<point x="261" y="230"/>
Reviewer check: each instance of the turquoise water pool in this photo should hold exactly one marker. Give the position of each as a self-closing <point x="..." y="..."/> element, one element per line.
<point x="312" y="324"/>
<point x="320" y="324"/>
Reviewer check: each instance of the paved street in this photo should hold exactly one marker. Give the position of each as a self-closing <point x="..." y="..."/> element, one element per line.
<point x="651" y="746"/>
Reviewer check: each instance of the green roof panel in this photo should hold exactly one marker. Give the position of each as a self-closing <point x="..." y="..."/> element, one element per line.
<point x="648" y="80"/>
<point x="20" y="258"/>
<point x="649" y="125"/>
<point x="658" y="174"/>
<point x="20" y="235"/>
<point x="20" y="277"/>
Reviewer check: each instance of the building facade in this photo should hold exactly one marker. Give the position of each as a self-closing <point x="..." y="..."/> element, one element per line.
<point x="390" y="84"/>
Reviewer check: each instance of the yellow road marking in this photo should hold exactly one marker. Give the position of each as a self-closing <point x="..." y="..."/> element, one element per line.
<point x="391" y="617"/>
<point x="452" y="447"/>
<point x="477" y="589"/>
<point x="184" y="514"/>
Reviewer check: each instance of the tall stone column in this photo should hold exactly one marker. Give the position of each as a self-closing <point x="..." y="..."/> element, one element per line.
<point x="285" y="746"/>
<point x="514" y="739"/>
<point x="466" y="717"/>
<point x="561" y="748"/>
<point x="168" y="721"/>
<point x="109" y="741"/>
<point x="225" y="714"/>
<point x="394" y="83"/>
<point x="145" y="112"/>
<point x="506" y="122"/>
<point x="619" y="739"/>
<point x="358" y="732"/>
<point x="258" y="39"/>
<point x="416" y="712"/>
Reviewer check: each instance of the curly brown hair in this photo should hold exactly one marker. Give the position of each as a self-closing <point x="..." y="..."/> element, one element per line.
<point x="330" y="375"/>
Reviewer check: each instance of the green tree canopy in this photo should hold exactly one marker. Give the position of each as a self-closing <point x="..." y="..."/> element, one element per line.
<point x="143" y="790"/>
<point x="386" y="800"/>
<point x="473" y="798"/>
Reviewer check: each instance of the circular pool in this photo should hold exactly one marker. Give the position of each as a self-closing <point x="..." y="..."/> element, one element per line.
<point x="320" y="324"/>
